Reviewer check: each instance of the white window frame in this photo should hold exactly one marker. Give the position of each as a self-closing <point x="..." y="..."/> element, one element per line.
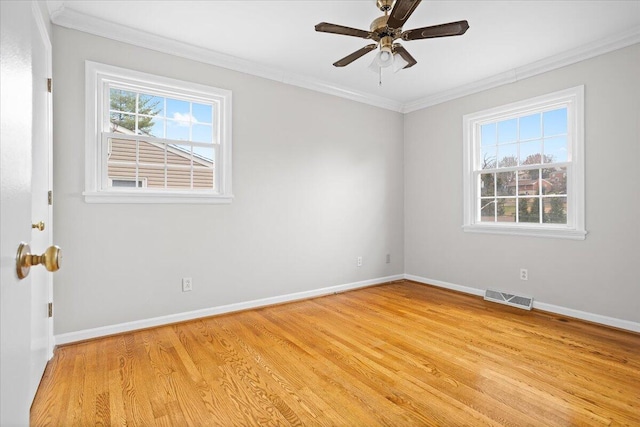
<point x="573" y="100"/>
<point x="97" y="190"/>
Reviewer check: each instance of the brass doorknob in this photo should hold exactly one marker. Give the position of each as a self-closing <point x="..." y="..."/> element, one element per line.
<point x="39" y="226"/>
<point x="51" y="259"/>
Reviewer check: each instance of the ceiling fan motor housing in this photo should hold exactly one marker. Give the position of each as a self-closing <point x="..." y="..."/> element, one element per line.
<point x="380" y="30"/>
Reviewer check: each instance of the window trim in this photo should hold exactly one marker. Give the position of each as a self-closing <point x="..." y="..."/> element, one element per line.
<point x="96" y="75"/>
<point x="573" y="99"/>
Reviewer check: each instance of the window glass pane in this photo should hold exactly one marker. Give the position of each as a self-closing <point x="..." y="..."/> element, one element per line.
<point x="554" y="181"/>
<point x="179" y="110"/>
<point x="506" y="210"/>
<point x="151" y="153"/>
<point x="122" y="150"/>
<point x="487" y="181"/>
<point x="201" y="133"/>
<point x="530" y="152"/>
<point x="179" y="178"/>
<point x="154" y="175"/>
<point x="555" y="122"/>
<point x="205" y="155"/>
<point x="177" y="130"/>
<point x="488" y="134"/>
<point x="122" y="100"/>
<point x="555" y="150"/>
<point x="178" y="154"/>
<point x="203" y="168"/>
<point x="555" y="210"/>
<point x="123" y="123"/>
<point x="488" y="157"/>
<point x="528" y="182"/>
<point x="508" y="155"/>
<point x="506" y="183"/>
<point x="487" y="210"/>
<point x="202" y="113"/>
<point x="151" y="105"/>
<point x="529" y="210"/>
<point x="507" y="131"/>
<point x="530" y="127"/>
<point x="122" y="159"/>
<point x="157" y="129"/>
<point x="126" y="182"/>
<point x="203" y="178"/>
<point x="145" y="125"/>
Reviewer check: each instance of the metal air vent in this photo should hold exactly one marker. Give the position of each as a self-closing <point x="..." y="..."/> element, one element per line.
<point x="519" y="301"/>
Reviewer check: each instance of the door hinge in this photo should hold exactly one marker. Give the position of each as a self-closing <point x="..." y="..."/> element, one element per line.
<point x="49" y="85"/>
<point x="50" y="197"/>
<point x="50" y="309"/>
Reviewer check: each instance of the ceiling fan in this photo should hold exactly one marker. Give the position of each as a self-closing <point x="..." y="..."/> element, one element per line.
<point x="388" y="28"/>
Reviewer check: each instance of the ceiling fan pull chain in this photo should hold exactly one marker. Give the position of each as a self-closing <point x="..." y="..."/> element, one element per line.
<point x="379" y="76"/>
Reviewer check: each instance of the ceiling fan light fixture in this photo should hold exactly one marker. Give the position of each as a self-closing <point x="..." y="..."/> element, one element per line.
<point x="399" y="63"/>
<point x="374" y="67"/>
<point x="384" y="58"/>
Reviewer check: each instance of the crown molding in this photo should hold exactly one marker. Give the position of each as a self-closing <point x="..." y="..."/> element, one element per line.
<point x="600" y="47"/>
<point x="69" y="18"/>
<point x="78" y="21"/>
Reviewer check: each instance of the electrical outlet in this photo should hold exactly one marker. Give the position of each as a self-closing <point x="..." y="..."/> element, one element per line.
<point x="388" y="258"/>
<point x="359" y="261"/>
<point x="187" y="284"/>
<point x="524" y="274"/>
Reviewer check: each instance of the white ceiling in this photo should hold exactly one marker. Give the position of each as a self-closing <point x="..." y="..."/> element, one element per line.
<point x="279" y="36"/>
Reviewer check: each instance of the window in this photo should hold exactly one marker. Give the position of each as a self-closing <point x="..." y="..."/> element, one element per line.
<point x="151" y="139"/>
<point x="524" y="167"/>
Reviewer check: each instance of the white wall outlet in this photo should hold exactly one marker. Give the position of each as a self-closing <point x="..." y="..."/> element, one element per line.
<point x="524" y="274"/>
<point x="359" y="261"/>
<point x="388" y="258"/>
<point x="187" y="284"/>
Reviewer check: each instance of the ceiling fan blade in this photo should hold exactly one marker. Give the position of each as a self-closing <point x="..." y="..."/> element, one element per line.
<point x="355" y="55"/>
<point x="400" y="50"/>
<point x="401" y="11"/>
<point x="325" y="27"/>
<point x="443" y="30"/>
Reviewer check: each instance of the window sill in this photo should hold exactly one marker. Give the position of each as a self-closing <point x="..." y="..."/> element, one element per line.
<point x="554" y="233"/>
<point x="155" y="197"/>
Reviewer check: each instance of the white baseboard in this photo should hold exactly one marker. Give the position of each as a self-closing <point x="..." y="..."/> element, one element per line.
<point x="569" y="312"/>
<point x="446" y="285"/>
<point x="190" y="315"/>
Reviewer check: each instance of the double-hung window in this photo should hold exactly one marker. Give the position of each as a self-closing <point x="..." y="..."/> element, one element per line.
<point x="524" y="167"/>
<point x="151" y="139"/>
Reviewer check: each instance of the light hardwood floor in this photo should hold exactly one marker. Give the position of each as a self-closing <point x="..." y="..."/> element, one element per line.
<point x="399" y="354"/>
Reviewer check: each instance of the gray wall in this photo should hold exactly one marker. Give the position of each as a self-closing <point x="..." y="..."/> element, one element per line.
<point x="317" y="180"/>
<point x="596" y="275"/>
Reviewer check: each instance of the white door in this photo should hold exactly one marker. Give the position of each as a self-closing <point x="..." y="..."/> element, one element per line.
<point x="24" y="348"/>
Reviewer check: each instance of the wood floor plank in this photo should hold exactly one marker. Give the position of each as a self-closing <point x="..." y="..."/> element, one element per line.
<point x="397" y="354"/>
